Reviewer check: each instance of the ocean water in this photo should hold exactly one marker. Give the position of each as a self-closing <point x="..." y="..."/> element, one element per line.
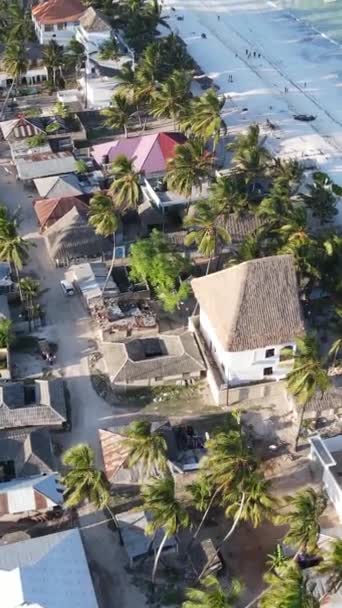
<point x="324" y="15"/>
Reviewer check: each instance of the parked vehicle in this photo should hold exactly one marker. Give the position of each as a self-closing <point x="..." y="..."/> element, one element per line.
<point x="67" y="288"/>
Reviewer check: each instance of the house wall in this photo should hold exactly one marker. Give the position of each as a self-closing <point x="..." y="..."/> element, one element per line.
<point x="244" y="366"/>
<point x="158" y="381"/>
<point x="92" y="41"/>
<point x="332" y="487"/>
<point x="62" y="33"/>
<point x="31" y="77"/>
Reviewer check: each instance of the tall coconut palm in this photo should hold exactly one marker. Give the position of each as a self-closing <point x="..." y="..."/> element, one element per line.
<point x="258" y="505"/>
<point x="303" y="511"/>
<point x="321" y="199"/>
<point x="126" y="187"/>
<point x="189" y="168"/>
<point x="308" y="374"/>
<point x="13" y="248"/>
<point x="145" y="447"/>
<point x="229" y="193"/>
<point x="30" y="291"/>
<point x="83" y="481"/>
<point x="109" y="50"/>
<point x="205" y="119"/>
<point x="203" y="494"/>
<point x="15" y="63"/>
<point x="127" y="82"/>
<point x="105" y="220"/>
<point x="75" y="55"/>
<point x="168" y="514"/>
<point x="250" y="155"/>
<point x="53" y="59"/>
<point x="211" y="595"/>
<point x="118" y="114"/>
<point x="288" y="588"/>
<point x="331" y="566"/>
<point x="336" y="347"/>
<point x="171" y="99"/>
<point x="207" y="230"/>
<point x="250" y="248"/>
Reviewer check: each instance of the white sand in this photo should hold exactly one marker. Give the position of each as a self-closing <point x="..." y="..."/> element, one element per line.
<point x="292" y="54"/>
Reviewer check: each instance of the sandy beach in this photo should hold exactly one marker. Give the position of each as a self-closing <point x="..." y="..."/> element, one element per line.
<point x="295" y="70"/>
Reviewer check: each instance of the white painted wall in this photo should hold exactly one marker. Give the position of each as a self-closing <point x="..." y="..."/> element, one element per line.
<point x="245" y="366"/>
<point x="333" y="488"/>
<point x="61" y="33"/>
<point x="92" y="41"/>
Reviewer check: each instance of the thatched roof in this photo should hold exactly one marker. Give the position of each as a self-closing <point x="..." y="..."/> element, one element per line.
<point x="71" y="237"/>
<point x="254" y="304"/>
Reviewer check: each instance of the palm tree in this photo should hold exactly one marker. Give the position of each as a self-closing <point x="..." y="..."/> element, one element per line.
<point x="336" y="347"/>
<point x="288" y="588"/>
<point x="30" y="291"/>
<point x="211" y="594"/>
<point x="250" y="156"/>
<point x="167" y="512"/>
<point x="208" y="233"/>
<point x="105" y="220"/>
<point x="172" y="98"/>
<point x="84" y="481"/>
<point x="13" y="248"/>
<point x="127" y="82"/>
<point x="145" y="447"/>
<point x="15" y="63"/>
<point x="258" y="504"/>
<point x="250" y="248"/>
<point x="202" y="495"/>
<point x="53" y="59"/>
<point x="205" y="120"/>
<point x="302" y="517"/>
<point x="321" y="199"/>
<point x="109" y="50"/>
<point x="308" y="374"/>
<point x="118" y="114"/>
<point x="126" y="187"/>
<point x="331" y="566"/>
<point x="290" y="171"/>
<point x="6" y="333"/>
<point x="75" y="55"/>
<point x="229" y="193"/>
<point x="189" y="168"/>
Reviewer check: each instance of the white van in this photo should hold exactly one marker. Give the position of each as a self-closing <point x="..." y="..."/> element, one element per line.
<point x="67" y="288"/>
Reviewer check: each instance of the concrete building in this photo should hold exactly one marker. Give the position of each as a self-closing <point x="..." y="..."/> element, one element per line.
<point x="326" y="456"/>
<point x="57" y="20"/>
<point x="250" y="316"/>
<point x="30" y="494"/>
<point x="94" y="29"/>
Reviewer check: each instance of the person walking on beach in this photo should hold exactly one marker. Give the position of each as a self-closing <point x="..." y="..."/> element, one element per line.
<point x="254" y="53"/>
<point x="218" y="17"/>
<point x="247" y="52"/>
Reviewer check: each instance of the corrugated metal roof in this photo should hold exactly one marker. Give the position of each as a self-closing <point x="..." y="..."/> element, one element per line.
<point x="44" y="165"/>
<point x="49" y="571"/>
<point x="21" y="492"/>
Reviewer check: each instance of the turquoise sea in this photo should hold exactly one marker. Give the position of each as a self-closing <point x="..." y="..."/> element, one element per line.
<point x="324" y="15"/>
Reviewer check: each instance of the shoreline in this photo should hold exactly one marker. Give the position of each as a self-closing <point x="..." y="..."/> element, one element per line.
<point x="288" y="74"/>
<point x="303" y="21"/>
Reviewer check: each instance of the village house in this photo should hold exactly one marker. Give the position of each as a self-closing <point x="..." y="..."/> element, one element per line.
<point x="149" y="153"/>
<point x="69" y="185"/>
<point x="326" y="464"/>
<point x="71" y="239"/>
<point x="185" y="450"/>
<point x="25" y="453"/>
<point x="152" y="361"/>
<point x="138" y="545"/>
<point x="249" y="319"/>
<point x="40" y="404"/>
<point x="36" y="72"/>
<point x="57" y="20"/>
<point x="50" y="571"/>
<point x="93" y="30"/>
<point x="30" y="494"/>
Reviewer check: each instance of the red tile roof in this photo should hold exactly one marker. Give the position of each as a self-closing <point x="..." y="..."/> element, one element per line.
<point x="49" y="210"/>
<point x="58" y="11"/>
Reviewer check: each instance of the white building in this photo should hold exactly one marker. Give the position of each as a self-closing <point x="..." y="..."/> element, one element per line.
<point x="97" y="91"/>
<point x="250" y="316"/>
<point x="57" y="20"/>
<point x="326" y="455"/>
<point x="94" y="29"/>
